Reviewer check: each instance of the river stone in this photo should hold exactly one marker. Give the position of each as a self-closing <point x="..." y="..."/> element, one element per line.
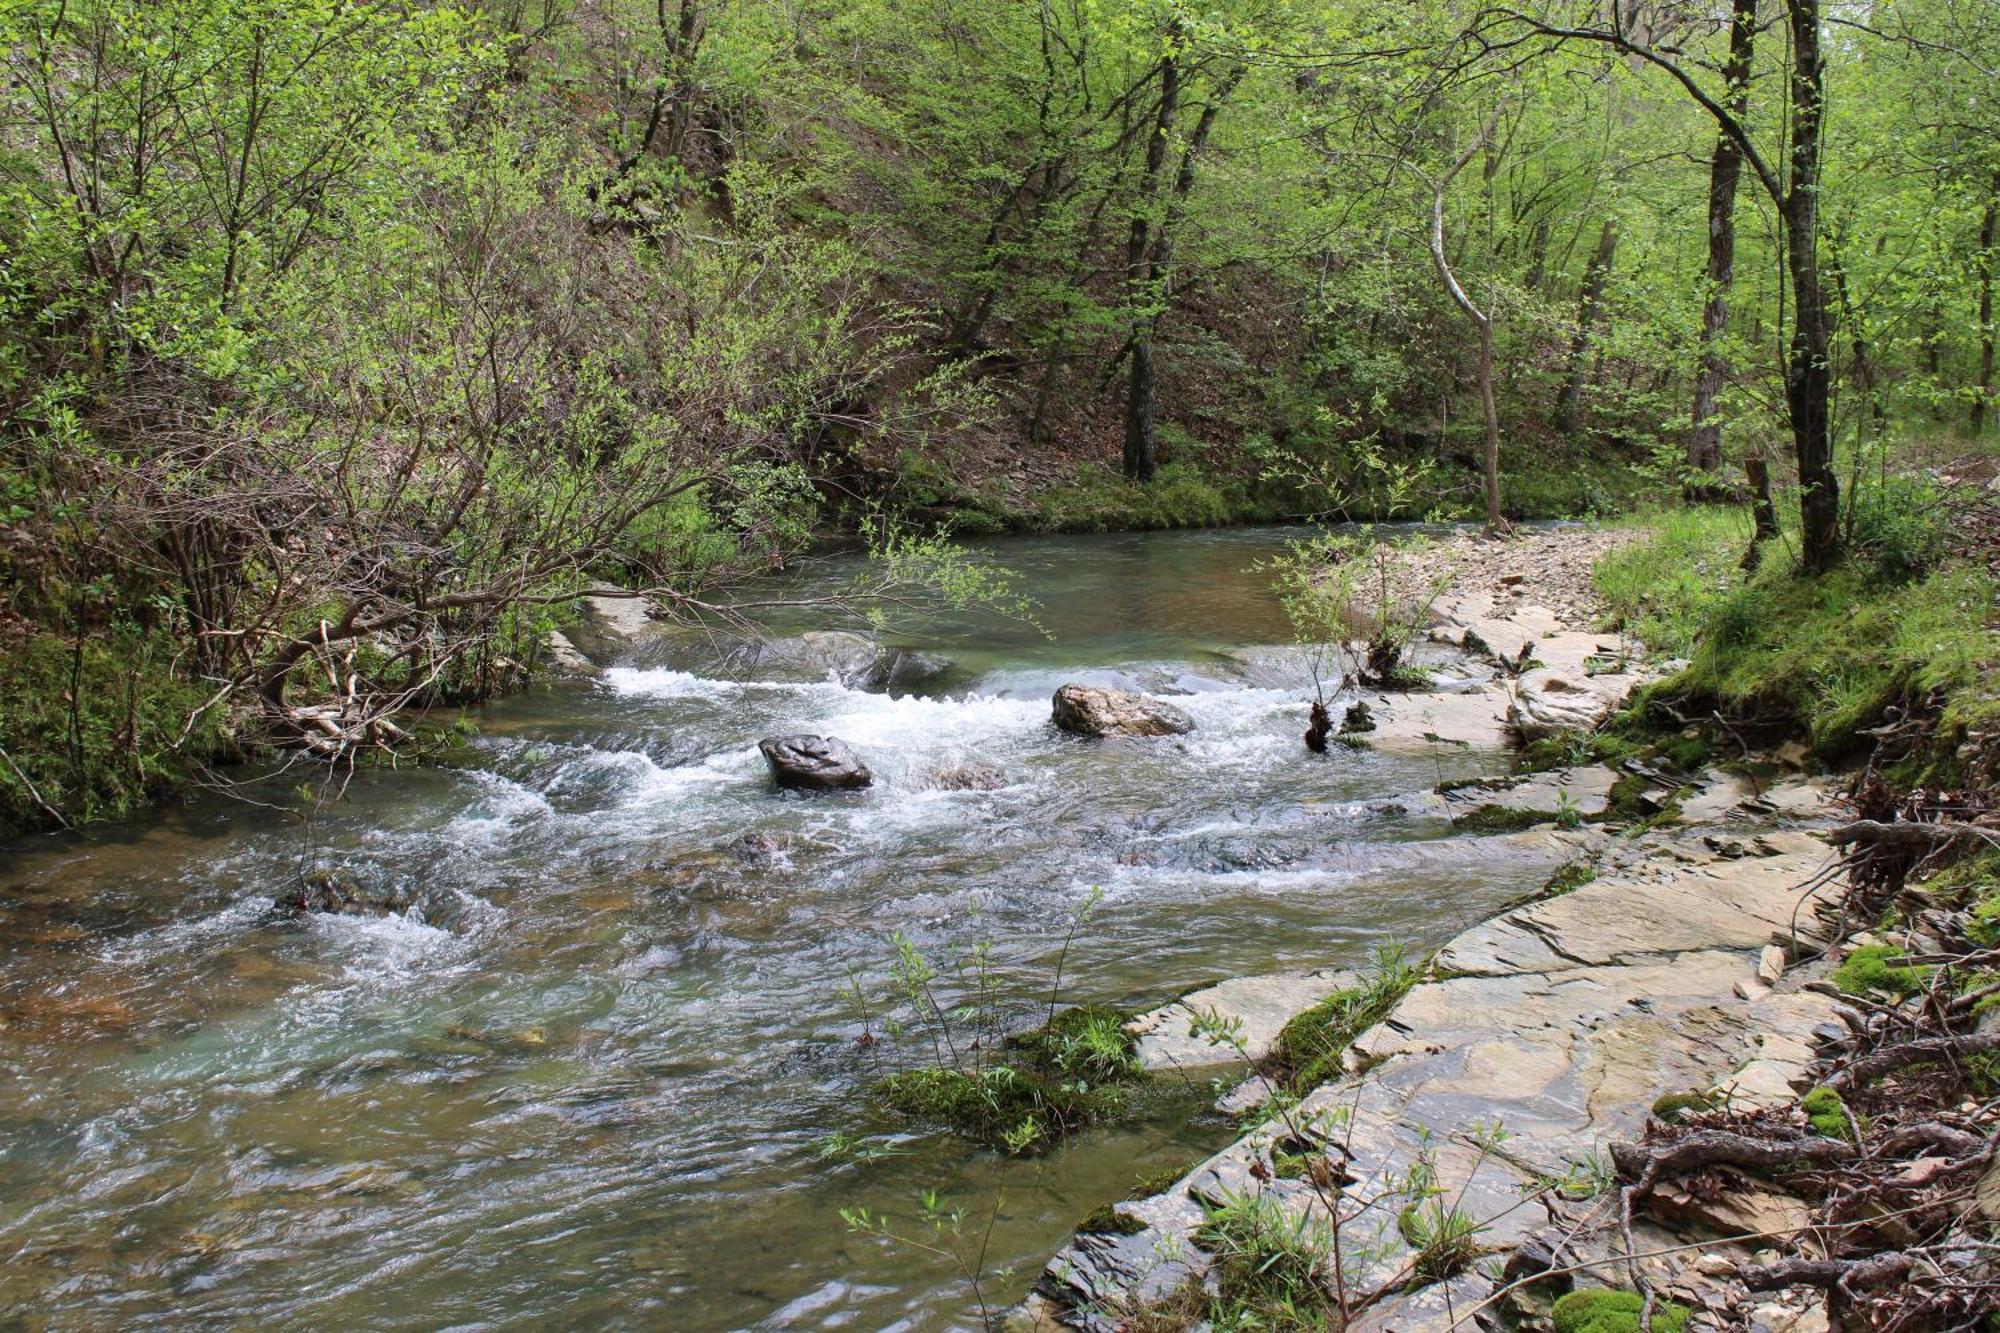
<point x="814" y="763"/>
<point x="1087" y="710"/>
<point x="969" y="777"/>
<point x="1548" y="704"/>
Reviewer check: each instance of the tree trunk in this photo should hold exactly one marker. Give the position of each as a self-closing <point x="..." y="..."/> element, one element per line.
<point x="1141" y="446"/>
<point x="1809" y="376"/>
<point x="1482" y="320"/>
<point x="1704" y="450"/>
<point x="1569" y="401"/>
<point x="1489" y="468"/>
<point x="1983" y="400"/>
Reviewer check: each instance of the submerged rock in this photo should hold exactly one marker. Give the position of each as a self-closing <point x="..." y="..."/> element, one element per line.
<point x="323" y="892"/>
<point x="853" y="660"/>
<point x="1086" y="710"/>
<point x="969" y="777"/>
<point x="814" y="763"/>
<point x="758" y="846"/>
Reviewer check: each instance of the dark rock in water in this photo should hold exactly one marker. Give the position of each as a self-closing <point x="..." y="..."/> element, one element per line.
<point x="970" y="777"/>
<point x="906" y="668"/>
<point x="814" y="763"/>
<point x="1358" y="718"/>
<point x="1086" y="710"/>
<point x="324" y="892"/>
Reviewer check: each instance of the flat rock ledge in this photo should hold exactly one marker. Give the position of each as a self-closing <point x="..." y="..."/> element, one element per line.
<point x="1559" y="1022"/>
<point x="1573" y="681"/>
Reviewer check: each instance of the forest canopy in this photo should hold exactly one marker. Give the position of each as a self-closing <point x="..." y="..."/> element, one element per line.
<point x="346" y="342"/>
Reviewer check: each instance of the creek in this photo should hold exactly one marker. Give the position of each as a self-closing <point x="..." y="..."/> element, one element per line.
<point x="597" y="1094"/>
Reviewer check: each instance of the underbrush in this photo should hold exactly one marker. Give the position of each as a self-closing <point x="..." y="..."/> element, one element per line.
<point x="1074" y="1071"/>
<point x="94" y="730"/>
<point x="1181" y="495"/>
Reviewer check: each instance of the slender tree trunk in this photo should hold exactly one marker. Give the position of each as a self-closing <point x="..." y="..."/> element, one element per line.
<point x="1569" y="401"/>
<point x="1809" y="376"/>
<point x="1704" y="450"/>
<point x="1159" y="283"/>
<point x="1857" y="340"/>
<point x="1988" y="235"/>
<point x="1482" y="320"/>
<point x="1141" y="446"/>
<point x="1489" y="470"/>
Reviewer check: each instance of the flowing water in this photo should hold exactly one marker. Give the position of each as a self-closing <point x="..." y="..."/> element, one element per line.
<point x="598" y="1093"/>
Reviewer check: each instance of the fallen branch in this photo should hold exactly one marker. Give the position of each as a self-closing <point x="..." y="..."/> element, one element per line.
<point x="1866" y="1069"/>
<point x="1647" y="1164"/>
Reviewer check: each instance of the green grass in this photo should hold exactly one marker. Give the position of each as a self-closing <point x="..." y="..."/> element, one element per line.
<point x="1268" y="1265"/>
<point x="1665" y="588"/>
<point x="1824" y="658"/>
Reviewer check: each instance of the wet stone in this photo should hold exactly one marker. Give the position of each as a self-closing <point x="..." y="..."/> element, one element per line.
<point x="814" y="763"/>
<point x="1086" y="710"/>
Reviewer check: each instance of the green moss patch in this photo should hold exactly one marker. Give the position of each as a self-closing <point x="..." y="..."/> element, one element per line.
<point x="1310" y="1047"/>
<point x="1501" y="819"/>
<point x="1075" y="1071"/>
<point x="1867" y="972"/>
<point x="1614" y="1312"/>
<point x="1827" y="1114"/>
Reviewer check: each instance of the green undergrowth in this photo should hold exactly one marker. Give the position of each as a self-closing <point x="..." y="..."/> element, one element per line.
<point x="98" y="732"/>
<point x="1077" y="1070"/>
<point x="1310" y="1047"/>
<point x="1778" y="653"/>
<point x="1269" y="1264"/>
<point x="1603" y="1311"/>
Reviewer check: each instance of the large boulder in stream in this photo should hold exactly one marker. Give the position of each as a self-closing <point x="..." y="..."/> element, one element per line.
<point x="814" y="763"/>
<point x="1088" y="710"/>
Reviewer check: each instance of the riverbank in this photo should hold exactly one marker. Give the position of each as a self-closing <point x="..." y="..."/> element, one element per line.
<point x="1683" y="964"/>
<point x="1499" y="1084"/>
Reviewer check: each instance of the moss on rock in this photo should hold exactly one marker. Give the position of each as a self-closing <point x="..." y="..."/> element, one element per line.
<point x="1867" y="972"/>
<point x="1604" y="1311"/>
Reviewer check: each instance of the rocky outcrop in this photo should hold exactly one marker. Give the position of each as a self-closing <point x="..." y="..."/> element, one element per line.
<point x="608" y="627"/>
<point x="1089" y="710"/>
<point x="1558" y="1023"/>
<point x="814" y="763"/>
<point x="1256" y="1008"/>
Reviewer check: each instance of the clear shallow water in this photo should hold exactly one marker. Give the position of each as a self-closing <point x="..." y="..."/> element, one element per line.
<point x="597" y="1098"/>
